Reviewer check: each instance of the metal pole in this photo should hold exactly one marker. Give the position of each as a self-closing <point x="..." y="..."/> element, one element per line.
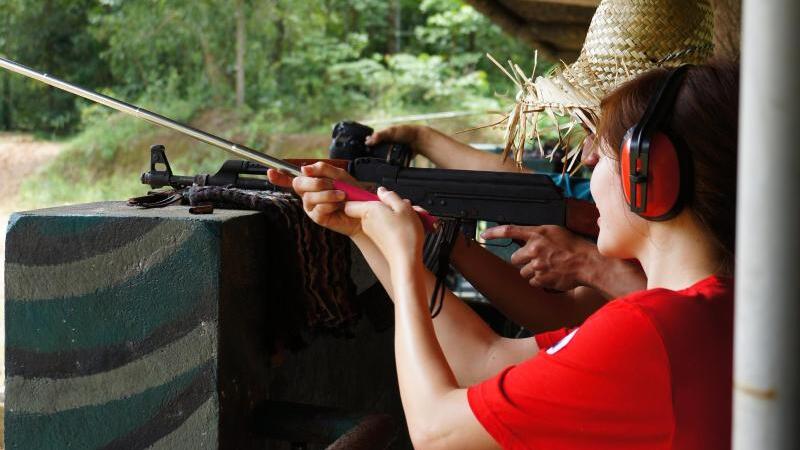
<point x="232" y="147"/>
<point x="767" y="331"/>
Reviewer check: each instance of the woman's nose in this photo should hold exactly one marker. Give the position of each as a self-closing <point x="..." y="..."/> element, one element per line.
<point x="589" y="156"/>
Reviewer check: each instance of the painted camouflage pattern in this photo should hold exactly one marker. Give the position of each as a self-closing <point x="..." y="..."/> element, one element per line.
<point x="99" y="353"/>
<point x="136" y="329"/>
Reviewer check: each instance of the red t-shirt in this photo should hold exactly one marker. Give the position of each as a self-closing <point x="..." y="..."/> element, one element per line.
<point x="649" y="370"/>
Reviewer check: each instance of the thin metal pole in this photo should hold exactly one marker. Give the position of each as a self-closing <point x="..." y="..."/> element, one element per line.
<point x="232" y="147"/>
<point x="766" y="397"/>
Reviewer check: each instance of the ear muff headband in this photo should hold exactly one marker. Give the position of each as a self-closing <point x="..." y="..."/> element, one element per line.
<point x="654" y="169"/>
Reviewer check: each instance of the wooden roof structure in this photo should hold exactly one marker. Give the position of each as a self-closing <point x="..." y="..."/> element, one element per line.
<point x="557" y="28"/>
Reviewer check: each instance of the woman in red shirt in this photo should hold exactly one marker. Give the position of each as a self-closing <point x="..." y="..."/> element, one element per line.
<point x="649" y="370"/>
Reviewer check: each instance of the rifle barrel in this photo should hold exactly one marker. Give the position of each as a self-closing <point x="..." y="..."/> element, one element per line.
<point x="136" y="111"/>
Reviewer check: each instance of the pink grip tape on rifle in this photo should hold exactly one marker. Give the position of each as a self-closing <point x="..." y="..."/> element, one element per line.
<point x="361" y="195"/>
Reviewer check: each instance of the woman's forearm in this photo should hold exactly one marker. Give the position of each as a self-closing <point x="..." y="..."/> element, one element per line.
<point x="531" y="307"/>
<point x="472" y="349"/>
<point x="423" y="372"/>
<point x="435" y="404"/>
<point x="417" y="349"/>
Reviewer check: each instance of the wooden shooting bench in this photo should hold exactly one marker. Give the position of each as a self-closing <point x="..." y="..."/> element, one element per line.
<point x="155" y="328"/>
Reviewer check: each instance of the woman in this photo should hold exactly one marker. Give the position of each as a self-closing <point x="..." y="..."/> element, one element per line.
<point x="648" y="370"/>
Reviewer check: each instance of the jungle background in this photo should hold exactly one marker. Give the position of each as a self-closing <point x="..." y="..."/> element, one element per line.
<point x="272" y="74"/>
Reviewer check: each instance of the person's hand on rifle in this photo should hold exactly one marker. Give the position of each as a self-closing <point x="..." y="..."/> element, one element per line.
<point x="554" y="258"/>
<point x="441" y="149"/>
<point x="323" y="204"/>
<point x="393" y="225"/>
<point x="415" y="136"/>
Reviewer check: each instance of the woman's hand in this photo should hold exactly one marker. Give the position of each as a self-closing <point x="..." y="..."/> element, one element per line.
<point x="392" y="224"/>
<point x="323" y="204"/>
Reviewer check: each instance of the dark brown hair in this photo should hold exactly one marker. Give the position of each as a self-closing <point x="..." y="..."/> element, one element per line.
<point x="704" y="121"/>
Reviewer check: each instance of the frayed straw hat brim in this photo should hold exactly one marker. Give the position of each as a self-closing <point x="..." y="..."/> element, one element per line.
<point x="625" y="38"/>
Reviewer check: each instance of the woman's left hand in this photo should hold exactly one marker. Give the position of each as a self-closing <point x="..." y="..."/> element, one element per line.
<point x="392" y="224"/>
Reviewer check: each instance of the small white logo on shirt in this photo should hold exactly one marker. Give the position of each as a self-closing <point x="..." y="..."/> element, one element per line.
<point x="562" y="343"/>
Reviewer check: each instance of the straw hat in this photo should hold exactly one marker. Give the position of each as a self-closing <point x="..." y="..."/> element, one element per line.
<point x="625" y="38"/>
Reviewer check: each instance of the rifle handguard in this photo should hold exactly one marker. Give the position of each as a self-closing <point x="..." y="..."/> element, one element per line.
<point x="356" y="193"/>
<point x="340" y="163"/>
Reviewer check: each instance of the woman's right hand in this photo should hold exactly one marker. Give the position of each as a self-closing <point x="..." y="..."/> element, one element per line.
<point x="323" y="204"/>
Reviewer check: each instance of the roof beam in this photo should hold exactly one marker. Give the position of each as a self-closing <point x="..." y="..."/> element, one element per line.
<point x="588" y="3"/>
<point x="539" y="36"/>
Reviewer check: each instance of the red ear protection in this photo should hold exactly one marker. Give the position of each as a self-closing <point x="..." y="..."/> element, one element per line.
<point x="654" y="168"/>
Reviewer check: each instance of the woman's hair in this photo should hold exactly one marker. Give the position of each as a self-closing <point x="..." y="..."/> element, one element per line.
<point x="704" y="121"/>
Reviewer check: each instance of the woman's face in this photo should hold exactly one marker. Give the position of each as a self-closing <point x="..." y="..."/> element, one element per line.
<point x="621" y="231"/>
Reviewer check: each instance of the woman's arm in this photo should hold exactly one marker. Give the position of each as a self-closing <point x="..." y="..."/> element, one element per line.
<point x="436" y="407"/>
<point x="473" y="350"/>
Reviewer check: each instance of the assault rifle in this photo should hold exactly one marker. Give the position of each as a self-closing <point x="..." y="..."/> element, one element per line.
<point x="465" y="195"/>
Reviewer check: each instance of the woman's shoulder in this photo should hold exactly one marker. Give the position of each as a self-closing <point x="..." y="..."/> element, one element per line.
<point x="689" y="314"/>
<point x="668" y="311"/>
<point x="711" y="290"/>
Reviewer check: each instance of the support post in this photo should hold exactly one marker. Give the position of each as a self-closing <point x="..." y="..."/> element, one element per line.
<point x="767" y="333"/>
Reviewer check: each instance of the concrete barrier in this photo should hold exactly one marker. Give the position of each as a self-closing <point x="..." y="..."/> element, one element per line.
<point x="130" y="328"/>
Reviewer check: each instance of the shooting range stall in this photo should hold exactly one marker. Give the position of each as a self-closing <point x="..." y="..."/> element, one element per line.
<point x="100" y="353"/>
<point x="129" y="328"/>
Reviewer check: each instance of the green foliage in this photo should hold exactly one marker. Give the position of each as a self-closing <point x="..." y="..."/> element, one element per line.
<point x="52" y="36"/>
<point x="148" y="39"/>
<point x="307" y="65"/>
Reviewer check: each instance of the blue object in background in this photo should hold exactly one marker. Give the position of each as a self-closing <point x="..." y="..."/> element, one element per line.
<point x="573" y="187"/>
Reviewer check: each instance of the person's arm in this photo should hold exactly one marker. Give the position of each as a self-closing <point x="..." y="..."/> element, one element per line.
<point x="555" y="258"/>
<point x="443" y="150"/>
<point x="529" y="306"/>
<point x="473" y="350"/>
<point x="436" y="406"/>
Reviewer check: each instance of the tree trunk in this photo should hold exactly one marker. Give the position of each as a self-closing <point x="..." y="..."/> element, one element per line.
<point x="398" y="26"/>
<point x="215" y="76"/>
<point x="280" y="34"/>
<point x="391" y="28"/>
<point x="5" y="100"/>
<point x="6" y="106"/>
<point x="241" y="41"/>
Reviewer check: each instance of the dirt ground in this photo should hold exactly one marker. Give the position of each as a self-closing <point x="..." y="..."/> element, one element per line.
<point x="20" y="156"/>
